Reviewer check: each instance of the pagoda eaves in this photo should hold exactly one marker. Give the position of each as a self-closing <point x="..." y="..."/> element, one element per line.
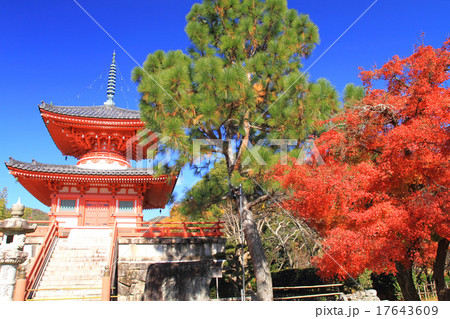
<point x="45" y="180"/>
<point x="77" y="131"/>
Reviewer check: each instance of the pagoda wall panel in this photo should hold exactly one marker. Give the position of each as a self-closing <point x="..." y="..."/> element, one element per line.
<point x="104" y="190"/>
<point x="68" y="221"/>
<point x="74" y="190"/>
<point x="124" y="222"/>
<point x="65" y="189"/>
<point x="92" y="190"/>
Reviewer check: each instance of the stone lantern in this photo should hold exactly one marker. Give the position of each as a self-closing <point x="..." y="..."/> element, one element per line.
<point x="11" y="248"/>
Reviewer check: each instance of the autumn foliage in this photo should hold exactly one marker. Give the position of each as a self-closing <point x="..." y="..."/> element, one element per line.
<point x="382" y="197"/>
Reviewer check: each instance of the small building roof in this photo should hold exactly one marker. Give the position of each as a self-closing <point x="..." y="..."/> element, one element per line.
<point x="98" y="112"/>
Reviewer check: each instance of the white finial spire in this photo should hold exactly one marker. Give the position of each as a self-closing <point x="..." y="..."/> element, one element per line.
<point x="111" y="91"/>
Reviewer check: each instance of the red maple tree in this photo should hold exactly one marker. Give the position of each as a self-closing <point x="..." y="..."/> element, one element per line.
<point x="381" y="201"/>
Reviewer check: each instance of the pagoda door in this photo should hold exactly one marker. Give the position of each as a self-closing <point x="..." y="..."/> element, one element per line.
<point x="97" y="213"/>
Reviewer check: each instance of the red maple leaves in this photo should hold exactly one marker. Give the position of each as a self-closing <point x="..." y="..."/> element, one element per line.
<point x="383" y="194"/>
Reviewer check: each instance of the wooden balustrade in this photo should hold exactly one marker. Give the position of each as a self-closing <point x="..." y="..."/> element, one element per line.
<point x="170" y="229"/>
<point x="108" y="276"/>
<point x="145" y="229"/>
<point x="40" y="258"/>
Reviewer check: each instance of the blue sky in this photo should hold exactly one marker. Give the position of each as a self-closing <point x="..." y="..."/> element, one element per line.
<point x="52" y="51"/>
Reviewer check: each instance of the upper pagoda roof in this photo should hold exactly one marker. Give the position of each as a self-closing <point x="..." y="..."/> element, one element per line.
<point x="75" y="129"/>
<point x="97" y="112"/>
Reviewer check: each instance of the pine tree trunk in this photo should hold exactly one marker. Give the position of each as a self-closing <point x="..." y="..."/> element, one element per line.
<point x="405" y="280"/>
<point x="438" y="270"/>
<point x="259" y="260"/>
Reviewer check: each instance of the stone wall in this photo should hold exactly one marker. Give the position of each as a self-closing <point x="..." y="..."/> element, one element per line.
<point x="166" y="268"/>
<point x="32" y="246"/>
<point x="131" y="280"/>
<point x="362" y="295"/>
<point x="178" y="281"/>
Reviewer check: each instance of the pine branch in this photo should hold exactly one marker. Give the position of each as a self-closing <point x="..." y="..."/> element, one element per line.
<point x="257" y="201"/>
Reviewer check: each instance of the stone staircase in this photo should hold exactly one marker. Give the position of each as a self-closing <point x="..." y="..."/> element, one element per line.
<point x="76" y="266"/>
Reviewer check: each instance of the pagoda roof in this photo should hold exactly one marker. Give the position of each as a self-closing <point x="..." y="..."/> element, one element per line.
<point x="35" y="166"/>
<point x="36" y="178"/>
<point x="74" y="129"/>
<point x="97" y="112"/>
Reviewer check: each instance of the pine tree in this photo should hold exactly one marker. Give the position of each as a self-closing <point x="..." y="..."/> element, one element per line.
<point x="239" y="87"/>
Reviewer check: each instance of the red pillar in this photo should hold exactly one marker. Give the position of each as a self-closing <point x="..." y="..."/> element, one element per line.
<point x="21" y="285"/>
<point x="106" y="286"/>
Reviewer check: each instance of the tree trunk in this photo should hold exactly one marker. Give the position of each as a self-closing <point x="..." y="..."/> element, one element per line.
<point x="405" y="280"/>
<point x="259" y="260"/>
<point x="438" y="270"/>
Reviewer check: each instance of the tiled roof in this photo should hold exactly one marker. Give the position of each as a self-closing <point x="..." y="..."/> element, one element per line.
<point x="102" y="111"/>
<point x="75" y="170"/>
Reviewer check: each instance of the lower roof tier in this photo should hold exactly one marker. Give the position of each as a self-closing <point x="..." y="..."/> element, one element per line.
<point x="43" y="180"/>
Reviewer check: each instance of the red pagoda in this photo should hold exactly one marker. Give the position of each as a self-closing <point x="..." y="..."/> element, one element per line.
<point x="103" y="186"/>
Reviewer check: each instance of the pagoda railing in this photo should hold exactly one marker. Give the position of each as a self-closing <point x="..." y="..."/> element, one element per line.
<point x="110" y="271"/>
<point x="42" y="256"/>
<point x="170" y="229"/>
<point x="146" y="229"/>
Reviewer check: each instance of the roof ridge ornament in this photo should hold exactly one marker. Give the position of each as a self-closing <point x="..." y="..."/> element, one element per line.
<point x="111" y="82"/>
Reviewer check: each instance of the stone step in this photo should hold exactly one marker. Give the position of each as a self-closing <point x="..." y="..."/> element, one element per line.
<point x="73" y="289"/>
<point x="82" y="247"/>
<point x="76" y="281"/>
<point x="69" y="284"/>
<point x="92" y="246"/>
<point x="75" y="266"/>
<point x="81" y="250"/>
<point x="88" y="242"/>
<point x="96" y="259"/>
<point x="78" y="274"/>
<point x="87" y="274"/>
<point x="100" y="262"/>
<point x="81" y="274"/>
<point x="72" y="282"/>
<point x="78" y="255"/>
<point x="77" y="261"/>
<point x="49" y="294"/>
<point x="51" y="297"/>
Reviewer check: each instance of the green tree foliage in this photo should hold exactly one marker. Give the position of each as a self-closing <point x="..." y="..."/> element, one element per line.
<point x="209" y="195"/>
<point x="29" y="213"/>
<point x="34" y="214"/>
<point x="239" y="87"/>
<point x="4" y="212"/>
<point x="353" y="94"/>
